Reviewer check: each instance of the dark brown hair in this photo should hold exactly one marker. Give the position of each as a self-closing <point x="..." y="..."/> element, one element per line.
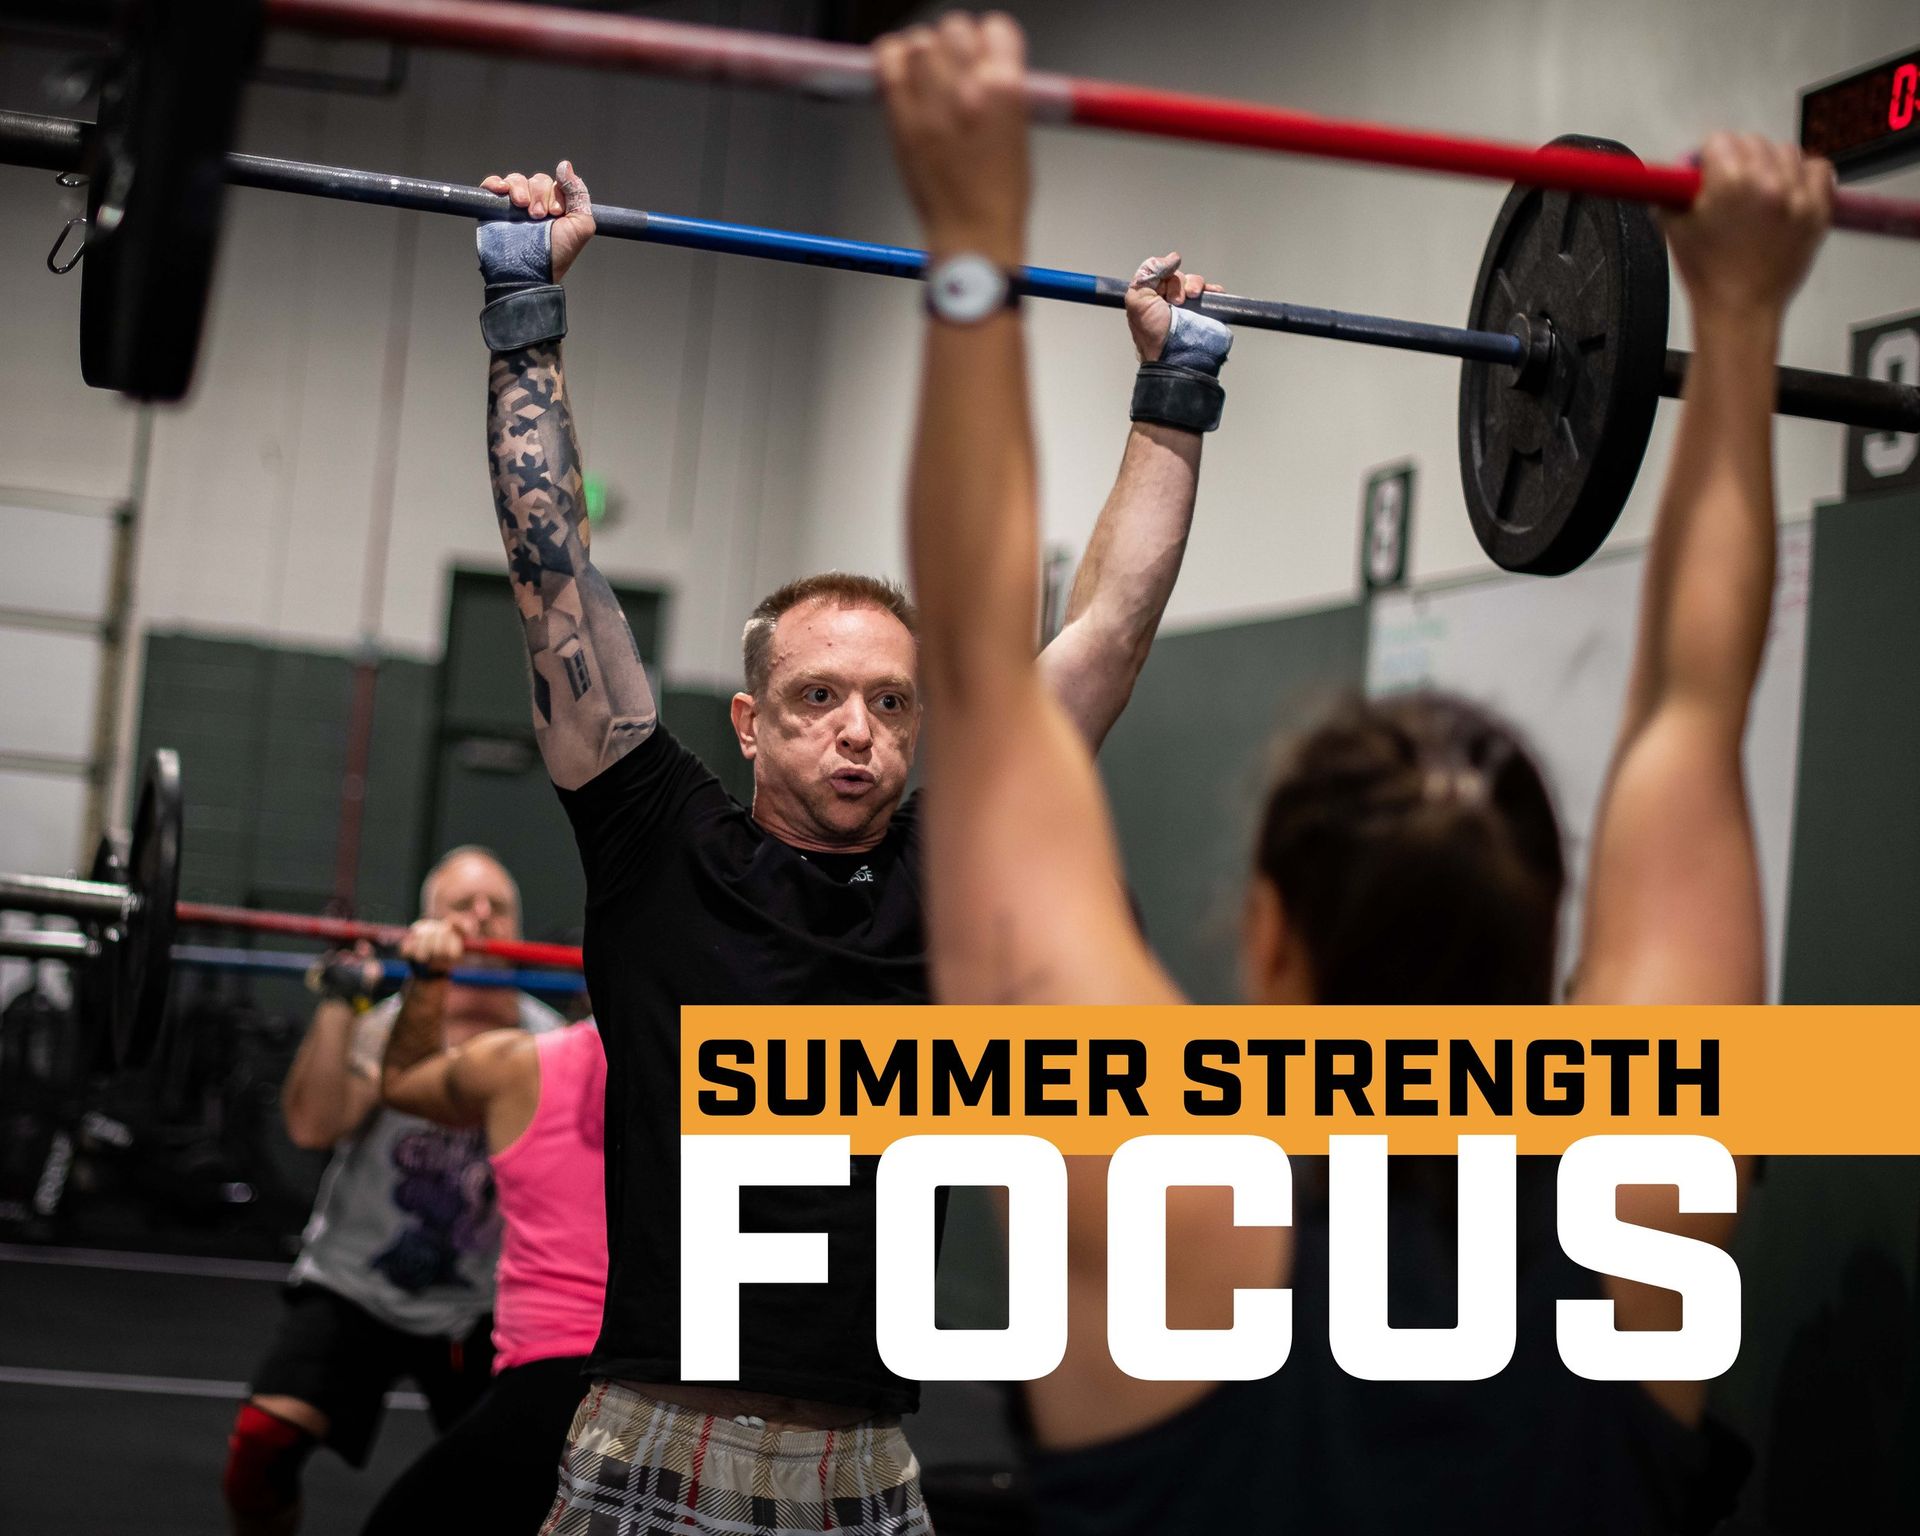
<point x="1416" y="853"/>
<point x="840" y="588"/>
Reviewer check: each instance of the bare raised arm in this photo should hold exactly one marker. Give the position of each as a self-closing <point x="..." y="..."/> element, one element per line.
<point x="1128" y="571"/>
<point x="1024" y="893"/>
<point x="490" y="1079"/>
<point x="592" y="703"/>
<point x="1673" y="899"/>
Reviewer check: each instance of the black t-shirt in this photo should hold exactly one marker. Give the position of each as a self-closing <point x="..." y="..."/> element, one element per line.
<point x="1311" y="1449"/>
<point x="689" y="900"/>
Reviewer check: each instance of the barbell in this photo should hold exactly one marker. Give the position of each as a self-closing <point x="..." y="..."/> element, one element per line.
<point x="390" y="973"/>
<point x="129" y="910"/>
<point x="1565" y="359"/>
<point x="170" y="93"/>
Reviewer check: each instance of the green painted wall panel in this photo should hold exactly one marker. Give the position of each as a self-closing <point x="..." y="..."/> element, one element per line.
<point x="1188" y="764"/>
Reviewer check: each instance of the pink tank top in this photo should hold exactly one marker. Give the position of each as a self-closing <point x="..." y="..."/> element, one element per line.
<point x="551" y="1183"/>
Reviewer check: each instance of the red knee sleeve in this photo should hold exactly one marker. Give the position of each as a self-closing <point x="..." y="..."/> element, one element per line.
<point x="264" y="1458"/>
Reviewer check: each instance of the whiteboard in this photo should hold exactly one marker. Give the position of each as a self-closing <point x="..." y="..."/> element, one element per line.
<point x="1552" y="657"/>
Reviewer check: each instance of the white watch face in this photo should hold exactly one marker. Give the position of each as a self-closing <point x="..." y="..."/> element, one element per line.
<point x="966" y="289"/>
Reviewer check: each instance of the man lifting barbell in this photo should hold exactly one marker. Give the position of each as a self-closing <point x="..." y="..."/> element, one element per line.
<point x="396" y="1269"/>
<point x="1409" y="853"/>
<point x="811" y="895"/>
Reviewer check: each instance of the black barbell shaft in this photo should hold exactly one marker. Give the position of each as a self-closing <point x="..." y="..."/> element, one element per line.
<point x="61" y="145"/>
<point x="1879" y="405"/>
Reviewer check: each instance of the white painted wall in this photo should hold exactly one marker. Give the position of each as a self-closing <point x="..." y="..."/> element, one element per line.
<point x="775" y="440"/>
<point x="263" y="484"/>
<point x="1305" y="419"/>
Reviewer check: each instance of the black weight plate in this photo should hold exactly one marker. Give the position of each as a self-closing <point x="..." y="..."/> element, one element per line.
<point x="145" y="953"/>
<point x="156" y="183"/>
<point x="1547" y="462"/>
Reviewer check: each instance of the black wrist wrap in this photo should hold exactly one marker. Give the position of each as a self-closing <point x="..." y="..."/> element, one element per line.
<point x="1179" y="397"/>
<point x="523" y="314"/>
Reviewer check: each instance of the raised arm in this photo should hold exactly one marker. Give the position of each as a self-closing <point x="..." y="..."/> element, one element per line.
<point x="477" y="1082"/>
<point x="328" y="1089"/>
<point x="1127" y="573"/>
<point x="592" y="703"/>
<point x="1673" y="898"/>
<point x="1024" y="892"/>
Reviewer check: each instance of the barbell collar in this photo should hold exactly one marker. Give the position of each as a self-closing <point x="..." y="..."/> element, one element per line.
<point x="844" y="71"/>
<point x="47" y="944"/>
<point x="55" y="896"/>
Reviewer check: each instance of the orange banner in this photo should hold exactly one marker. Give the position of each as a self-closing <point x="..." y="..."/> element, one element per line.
<point x="1758" y="1080"/>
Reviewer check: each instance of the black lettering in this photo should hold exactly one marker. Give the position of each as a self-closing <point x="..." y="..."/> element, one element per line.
<point x="1619" y="1055"/>
<point x="1572" y="1086"/>
<point x="1275" y="1053"/>
<point x="1329" y="1079"/>
<point x="813" y="1100"/>
<point x="1400" y="1076"/>
<point x="1705" y="1077"/>
<point x="1040" y="1076"/>
<point x="950" y="1075"/>
<point x="1198" y="1054"/>
<point x="1496" y="1087"/>
<point x="712" y="1054"/>
<point x="1103" y="1081"/>
<point x="857" y="1076"/>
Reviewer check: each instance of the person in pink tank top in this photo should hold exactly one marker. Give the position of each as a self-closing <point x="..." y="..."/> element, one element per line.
<point x="541" y="1100"/>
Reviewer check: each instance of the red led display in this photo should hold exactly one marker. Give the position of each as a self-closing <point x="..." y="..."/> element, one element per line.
<point x="1869" y="120"/>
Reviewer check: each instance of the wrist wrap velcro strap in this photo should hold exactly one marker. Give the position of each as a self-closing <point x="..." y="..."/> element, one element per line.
<point x="524" y="316"/>
<point x="1179" y="397"/>
<point x="524" y="304"/>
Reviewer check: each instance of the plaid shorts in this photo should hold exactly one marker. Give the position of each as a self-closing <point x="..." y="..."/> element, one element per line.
<point x="638" y="1467"/>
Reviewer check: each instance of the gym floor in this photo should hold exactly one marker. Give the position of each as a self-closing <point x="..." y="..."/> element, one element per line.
<point x="147" y="1354"/>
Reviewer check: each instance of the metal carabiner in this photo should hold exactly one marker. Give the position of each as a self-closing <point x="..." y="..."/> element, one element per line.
<point x="61" y="269"/>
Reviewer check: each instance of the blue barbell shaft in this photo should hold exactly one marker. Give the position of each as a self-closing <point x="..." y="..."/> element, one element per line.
<point x="275" y="175"/>
<point x="284" y="962"/>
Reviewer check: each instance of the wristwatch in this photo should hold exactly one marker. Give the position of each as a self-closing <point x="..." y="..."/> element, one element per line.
<point x="968" y="288"/>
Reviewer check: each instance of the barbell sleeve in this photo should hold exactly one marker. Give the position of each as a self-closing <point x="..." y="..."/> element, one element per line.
<point x="845" y="71"/>
<point x="46" y="944"/>
<point x="54" y="896"/>
<point x="292" y="963"/>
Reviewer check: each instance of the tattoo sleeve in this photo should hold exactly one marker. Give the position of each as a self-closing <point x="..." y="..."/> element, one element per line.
<point x="592" y="703"/>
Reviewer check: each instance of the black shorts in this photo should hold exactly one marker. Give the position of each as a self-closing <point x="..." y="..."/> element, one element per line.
<point x="495" y="1471"/>
<point x="343" y="1360"/>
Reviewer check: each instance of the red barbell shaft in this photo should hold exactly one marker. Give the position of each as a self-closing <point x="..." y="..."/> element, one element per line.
<point x="344" y="930"/>
<point x="692" y="51"/>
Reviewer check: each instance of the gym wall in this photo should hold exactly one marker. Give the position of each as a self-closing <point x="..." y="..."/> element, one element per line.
<point x="689" y="372"/>
<point x="1306" y="419"/>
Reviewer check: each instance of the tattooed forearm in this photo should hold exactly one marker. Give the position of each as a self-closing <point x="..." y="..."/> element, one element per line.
<point x="591" y="700"/>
